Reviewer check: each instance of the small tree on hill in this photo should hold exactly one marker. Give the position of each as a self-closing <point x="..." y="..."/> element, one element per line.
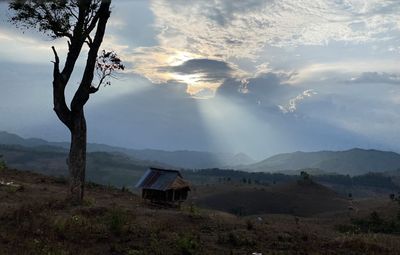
<point x="2" y="163"/>
<point x="83" y="24"/>
<point x="304" y="176"/>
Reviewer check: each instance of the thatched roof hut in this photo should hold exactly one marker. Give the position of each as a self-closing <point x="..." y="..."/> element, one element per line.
<point x="163" y="186"/>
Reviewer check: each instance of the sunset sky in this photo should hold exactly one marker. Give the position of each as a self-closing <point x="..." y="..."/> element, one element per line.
<point x="259" y="77"/>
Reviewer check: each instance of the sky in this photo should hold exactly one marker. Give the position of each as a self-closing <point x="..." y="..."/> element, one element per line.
<point x="260" y="77"/>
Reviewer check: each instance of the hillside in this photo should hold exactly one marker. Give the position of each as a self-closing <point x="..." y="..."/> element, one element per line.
<point x="37" y="220"/>
<point x="177" y="159"/>
<point x="297" y="198"/>
<point x="354" y="161"/>
<point x="102" y="167"/>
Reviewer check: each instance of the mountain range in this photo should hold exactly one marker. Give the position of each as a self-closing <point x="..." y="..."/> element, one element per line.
<point x="177" y="159"/>
<point x="354" y="161"/>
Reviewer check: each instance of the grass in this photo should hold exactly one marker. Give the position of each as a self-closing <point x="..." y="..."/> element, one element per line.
<point x="38" y="221"/>
<point x="187" y="244"/>
<point x="374" y="223"/>
<point x="116" y="219"/>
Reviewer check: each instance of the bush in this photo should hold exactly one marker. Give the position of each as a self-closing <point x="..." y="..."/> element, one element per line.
<point x="187" y="245"/>
<point x="249" y="225"/>
<point x="374" y="223"/>
<point x="74" y="228"/>
<point x="2" y="163"/>
<point x="236" y="238"/>
<point x="61" y="180"/>
<point x="116" y="219"/>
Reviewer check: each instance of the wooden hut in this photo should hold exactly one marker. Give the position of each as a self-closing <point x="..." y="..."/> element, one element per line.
<point x="163" y="186"/>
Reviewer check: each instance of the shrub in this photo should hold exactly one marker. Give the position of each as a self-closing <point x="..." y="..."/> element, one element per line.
<point x="89" y="201"/>
<point x="237" y="239"/>
<point x="374" y="223"/>
<point x="2" y="163"/>
<point x="116" y="219"/>
<point x="249" y="225"/>
<point x="61" y="180"/>
<point x="75" y="227"/>
<point x="187" y="245"/>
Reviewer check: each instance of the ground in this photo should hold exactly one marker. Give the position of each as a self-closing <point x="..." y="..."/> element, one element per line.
<point x="35" y="219"/>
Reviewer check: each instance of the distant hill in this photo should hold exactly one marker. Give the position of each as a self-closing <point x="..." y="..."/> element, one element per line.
<point x="102" y="167"/>
<point x="354" y="161"/>
<point x="177" y="159"/>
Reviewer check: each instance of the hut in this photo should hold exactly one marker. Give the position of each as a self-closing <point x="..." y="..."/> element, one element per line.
<point x="163" y="186"/>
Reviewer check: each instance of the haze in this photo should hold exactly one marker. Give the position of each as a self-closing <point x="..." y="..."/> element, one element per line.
<point x="260" y="77"/>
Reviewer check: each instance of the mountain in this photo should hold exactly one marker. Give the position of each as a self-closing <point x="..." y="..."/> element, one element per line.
<point x="8" y="138"/>
<point x="176" y="159"/>
<point x="354" y="161"/>
<point x="102" y="167"/>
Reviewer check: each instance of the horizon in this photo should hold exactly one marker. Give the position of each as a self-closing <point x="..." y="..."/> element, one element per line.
<point x="306" y="77"/>
<point x="255" y="160"/>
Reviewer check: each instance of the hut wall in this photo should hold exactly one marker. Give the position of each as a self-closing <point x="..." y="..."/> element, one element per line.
<point x="165" y="196"/>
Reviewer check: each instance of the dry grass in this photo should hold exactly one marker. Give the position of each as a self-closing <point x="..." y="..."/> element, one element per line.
<point x="36" y="220"/>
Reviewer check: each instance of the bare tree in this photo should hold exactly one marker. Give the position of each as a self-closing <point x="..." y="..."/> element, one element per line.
<point x="83" y="24"/>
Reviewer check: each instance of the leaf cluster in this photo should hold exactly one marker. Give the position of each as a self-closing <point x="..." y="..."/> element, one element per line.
<point x="107" y="63"/>
<point x="55" y="18"/>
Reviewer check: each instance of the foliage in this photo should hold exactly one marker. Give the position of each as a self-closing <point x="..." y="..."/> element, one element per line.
<point x="2" y="163"/>
<point x="60" y="180"/>
<point x="76" y="227"/>
<point x="249" y="225"/>
<point x="187" y="244"/>
<point x="374" y="180"/>
<point x="236" y="238"/>
<point x="115" y="220"/>
<point x="374" y="223"/>
<point x="53" y="18"/>
<point x="395" y="198"/>
<point x="304" y="176"/>
<point x="107" y="63"/>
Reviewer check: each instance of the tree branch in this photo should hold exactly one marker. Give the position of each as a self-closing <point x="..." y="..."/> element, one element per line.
<point x="56" y="61"/>
<point x="83" y="92"/>
<point x="60" y="106"/>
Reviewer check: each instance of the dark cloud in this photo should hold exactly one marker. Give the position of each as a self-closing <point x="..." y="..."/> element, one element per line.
<point x="268" y="89"/>
<point x="375" y="77"/>
<point x="209" y="69"/>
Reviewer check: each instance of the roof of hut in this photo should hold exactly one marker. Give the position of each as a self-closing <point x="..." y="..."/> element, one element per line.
<point x="162" y="179"/>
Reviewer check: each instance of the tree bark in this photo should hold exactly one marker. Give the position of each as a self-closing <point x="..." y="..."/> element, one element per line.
<point x="77" y="158"/>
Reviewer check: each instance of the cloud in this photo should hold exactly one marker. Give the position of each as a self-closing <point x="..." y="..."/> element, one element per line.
<point x="342" y="70"/>
<point x="248" y="26"/>
<point x="236" y="32"/>
<point x="268" y="92"/>
<point x="292" y="105"/>
<point x="376" y="77"/>
<point x="208" y="70"/>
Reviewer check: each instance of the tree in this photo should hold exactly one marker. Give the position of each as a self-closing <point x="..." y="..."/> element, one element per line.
<point x="83" y="24"/>
<point x="2" y="163"/>
<point x="305" y="176"/>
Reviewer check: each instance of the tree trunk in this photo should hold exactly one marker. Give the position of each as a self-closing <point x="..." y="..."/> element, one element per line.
<point x="74" y="117"/>
<point x="77" y="158"/>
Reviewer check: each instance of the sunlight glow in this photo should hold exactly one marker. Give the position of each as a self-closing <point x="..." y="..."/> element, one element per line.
<point x="234" y="126"/>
